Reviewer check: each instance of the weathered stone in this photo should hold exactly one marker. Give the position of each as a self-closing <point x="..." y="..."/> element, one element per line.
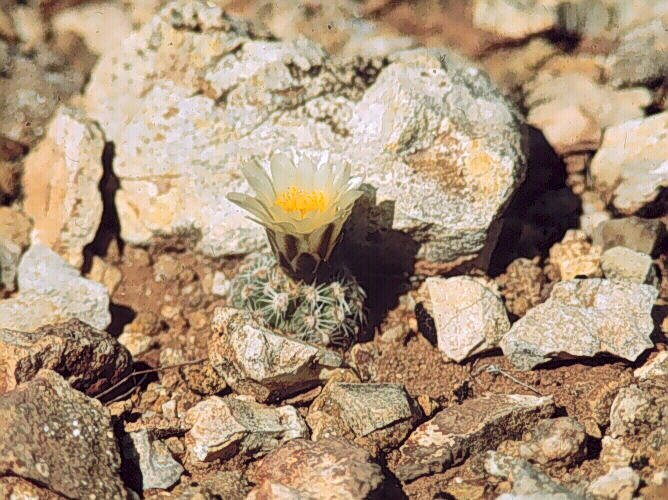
<point x="376" y="417"/>
<point x="51" y="291"/>
<point x="222" y="427"/>
<point x="641" y="235"/>
<point x="106" y="274"/>
<point x="30" y="27"/>
<point x="268" y="490"/>
<point x="329" y="468"/>
<point x="90" y="359"/>
<point x="656" y="367"/>
<point x="59" y="438"/>
<point x="228" y="485"/>
<point x="136" y="342"/>
<point x="182" y="129"/>
<point x="254" y="360"/>
<point x="459" y="431"/>
<point x="554" y="441"/>
<point x="618" y="484"/>
<point x="614" y="454"/>
<point x="583" y="318"/>
<point x="515" y="20"/>
<point x="574" y="256"/>
<point x="624" y="264"/>
<point x="15" y="226"/>
<point x="631" y="166"/>
<point x="527" y="482"/>
<point x="641" y="56"/>
<point x="521" y="285"/>
<point x="10" y="253"/>
<point x="469" y="317"/>
<point x="156" y="464"/>
<point x="16" y="488"/>
<point x="639" y="408"/>
<point x="61" y="180"/>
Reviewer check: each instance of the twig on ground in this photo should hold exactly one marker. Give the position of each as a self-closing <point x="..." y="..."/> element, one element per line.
<point x="495" y="370"/>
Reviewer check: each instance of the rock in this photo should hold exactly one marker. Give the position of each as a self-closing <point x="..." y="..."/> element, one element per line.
<point x="15" y="227"/>
<point x="583" y="318"/>
<point x="30" y="27"/>
<point x="51" y="291"/>
<point x="230" y="94"/>
<point x="10" y="253"/>
<point x="572" y="109"/>
<point x="631" y="166"/>
<point x="459" y="431"/>
<point x="223" y="427"/>
<point x="641" y="235"/>
<point x="656" y="367"/>
<point x="521" y="285"/>
<point x="268" y="490"/>
<point x="253" y="360"/>
<point x="221" y="285"/>
<point x="331" y="467"/>
<point x="621" y="263"/>
<point x="61" y="185"/>
<point x="136" y="342"/>
<point x="527" y="482"/>
<point x="103" y="26"/>
<point x="60" y="438"/>
<point x="17" y="488"/>
<point x="468" y="316"/>
<point x="639" y="408"/>
<point x="574" y="256"/>
<point x="555" y="441"/>
<point x="377" y="417"/>
<point x="106" y="274"/>
<point x="90" y="359"/>
<point x="618" y="484"/>
<point x="641" y="56"/>
<point x="230" y="485"/>
<point x="514" y="20"/>
<point x="158" y="468"/>
<point x="614" y="454"/>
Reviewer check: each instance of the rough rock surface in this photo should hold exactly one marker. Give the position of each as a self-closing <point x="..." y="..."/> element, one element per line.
<point x="575" y="256"/>
<point x="656" y="367"/>
<point x="90" y="359"/>
<point x="60" y="438"/>
<point x="639" y="408"/>
<point x="156" y="464"/>
<point x="374" y="416"/>
<point x="521" y="285"/>
<point x="51" y="291"/>
<point x="61" y="184"/>
<point x="331" y="469"/>
<point x="631" y="166"/>
<point x="618" y="484"/>
<point x="427" y="130"/>
<point x="222" y="427"/>
<point x="459" y="431"/>
<point x="641" y="235"/>
<point x="10" y="253"/>
<point x="583" y="318"/>
<point x="469" y="317"/>
<point x="515" y="20"/>
<point x="253" y="360"/>
<point x="621" y="263"/>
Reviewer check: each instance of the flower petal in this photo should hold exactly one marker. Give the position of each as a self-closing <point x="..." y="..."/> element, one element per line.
<point x="250" y="204"/>
<point x="258" y="179"/>
<point x="283" y="171"/>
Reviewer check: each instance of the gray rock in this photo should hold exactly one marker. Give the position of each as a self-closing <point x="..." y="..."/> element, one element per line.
<point x="51" y="291"/>
<point x="10" y="253"/>
<point x="331" y="467"/>
<point x="639" y="408"/>
<point x="631" y="166"/>
<point x="527" y="482"/>
<point x="656" y="367"/>
<point x="583" y="318"/>
<point x="618" y="484"/>
<point x="459" y="431"/>
<point x="156" y="464"/>
<point x="223" y="427"/>
<point x="641" y="235"/>
<point x="469" y="317"/>
<point x="90" y="359"/>
<point x="256" y="361"/>
<point x="641" y="56"/>
<point x="515" y="20"/>
<point x="427" y="130"/>
<point x="60" y="438"/>
<point x="61" y="184"/>
<point x="376" y="417"/>
<point x="624" y="264"/>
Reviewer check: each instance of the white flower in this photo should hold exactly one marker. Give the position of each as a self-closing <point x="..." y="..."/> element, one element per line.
<point x="303" y="206"/>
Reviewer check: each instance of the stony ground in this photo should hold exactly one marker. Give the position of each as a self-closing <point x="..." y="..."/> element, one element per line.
<point x="512" y="244"/>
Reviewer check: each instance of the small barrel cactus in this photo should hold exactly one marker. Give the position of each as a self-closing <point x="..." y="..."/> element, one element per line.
<point x="329" y="313"/>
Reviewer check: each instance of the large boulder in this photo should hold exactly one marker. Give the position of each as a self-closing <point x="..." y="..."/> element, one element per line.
<point x="194" y="94"/>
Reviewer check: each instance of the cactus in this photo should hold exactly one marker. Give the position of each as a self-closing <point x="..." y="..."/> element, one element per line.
<point x="329" y="313"/>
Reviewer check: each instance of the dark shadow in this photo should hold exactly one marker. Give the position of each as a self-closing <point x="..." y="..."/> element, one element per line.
<point x="110" y="226"/>
<point x="130" y="469"/>
<point x="380" y="258"/>
<point x="130" y="383"/>
<point x="599" y="359"/>
<point x="541" y="210"/>
<point x="120" y="316"/>
<point x="659" y="315"/>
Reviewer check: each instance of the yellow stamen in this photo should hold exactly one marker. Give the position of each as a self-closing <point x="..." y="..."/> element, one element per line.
<point x="297" y="200"/>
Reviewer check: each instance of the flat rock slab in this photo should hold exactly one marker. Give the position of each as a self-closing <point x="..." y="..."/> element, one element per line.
<point x="641" y="235"/>
<point x="255" y="361"/>
<point x="459" y="431"/>
<point x="333" y="469"/>
<point x="427" y="130"/>
<point x="90" y="359"/>
<point x="583" y="318"/>
<point x="157" y="467"/>
<point x="58" y="437"/>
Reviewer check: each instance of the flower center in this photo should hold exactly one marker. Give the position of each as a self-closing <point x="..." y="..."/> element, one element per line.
<point x="295" y="199"/>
